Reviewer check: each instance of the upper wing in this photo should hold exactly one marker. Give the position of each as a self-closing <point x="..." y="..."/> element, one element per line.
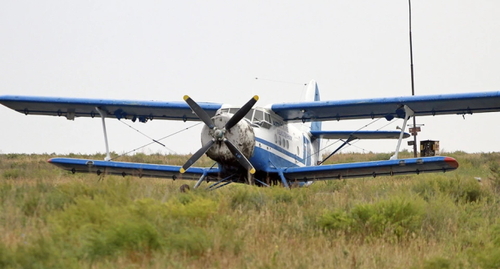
<point x="371" y="169"/>
<point x="390" y="107"/>
<point x="134" y="169"/>
<point x="358" y="134"/>
<point x="128" y="109"/>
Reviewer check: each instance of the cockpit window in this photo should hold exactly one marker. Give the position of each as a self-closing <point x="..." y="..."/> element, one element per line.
<point x="233" y="110"/>
<point x="249" y="115"/>
<point x="258" y="116"/>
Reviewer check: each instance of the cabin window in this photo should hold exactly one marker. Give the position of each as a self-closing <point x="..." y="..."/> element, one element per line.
<point x="262" y="119"/>
<point x="267" y="117"/>
<point x="287" y="145"/>
<point x="275" y="139"/>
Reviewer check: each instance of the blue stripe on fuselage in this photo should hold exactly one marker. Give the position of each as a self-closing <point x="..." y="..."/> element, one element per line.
<point x="264" y="159"/>
<point x="280" y="149"/>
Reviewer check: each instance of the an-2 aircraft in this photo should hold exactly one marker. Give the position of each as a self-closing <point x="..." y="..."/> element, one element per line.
<point x="262" y="145"/>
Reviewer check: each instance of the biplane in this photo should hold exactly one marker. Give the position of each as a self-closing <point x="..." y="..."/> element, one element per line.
<point x="276" y="144"/>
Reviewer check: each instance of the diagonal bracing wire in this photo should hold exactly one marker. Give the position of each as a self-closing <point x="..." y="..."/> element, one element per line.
<point x="152" y="139"/>
<point x="350" y="144"/>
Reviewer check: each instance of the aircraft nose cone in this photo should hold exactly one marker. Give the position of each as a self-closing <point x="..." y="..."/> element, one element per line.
<point x="219" y="134"/>
<point x="241" y="135"/>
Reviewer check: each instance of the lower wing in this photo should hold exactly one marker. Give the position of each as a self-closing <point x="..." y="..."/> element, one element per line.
<point x="371" y="169"/>
<point x="130" y="169"/>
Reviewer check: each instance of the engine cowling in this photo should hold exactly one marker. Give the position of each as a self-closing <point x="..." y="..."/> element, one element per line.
<point x="241" y="135"/>
<point x="215" y="135"/>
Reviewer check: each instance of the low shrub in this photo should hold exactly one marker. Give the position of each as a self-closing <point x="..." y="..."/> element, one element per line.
<point x="494" y="168"/>
<point x="247" y="199"/>
<point x="437" y="263"/>
<point x="13" y="173"/>
<point x="460" y="189"/>
<point x="397" y="217"/>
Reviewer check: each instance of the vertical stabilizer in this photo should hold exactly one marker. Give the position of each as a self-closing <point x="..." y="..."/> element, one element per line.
<point x="312" y="94"/>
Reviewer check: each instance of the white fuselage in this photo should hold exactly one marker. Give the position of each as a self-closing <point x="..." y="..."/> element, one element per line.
<point x="265" y="139"/>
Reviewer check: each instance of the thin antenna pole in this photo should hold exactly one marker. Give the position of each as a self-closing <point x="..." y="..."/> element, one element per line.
<point x="412" y="83"/>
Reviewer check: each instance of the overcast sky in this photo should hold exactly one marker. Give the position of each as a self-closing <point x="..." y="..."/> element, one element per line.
<point x="215" y="50"/>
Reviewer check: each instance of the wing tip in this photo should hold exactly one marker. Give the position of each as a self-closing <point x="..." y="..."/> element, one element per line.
<point x="185" y="97"/>
<point x="452" y="162"/>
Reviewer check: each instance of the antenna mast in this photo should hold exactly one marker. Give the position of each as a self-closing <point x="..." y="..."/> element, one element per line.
<point x="412" y="83"/>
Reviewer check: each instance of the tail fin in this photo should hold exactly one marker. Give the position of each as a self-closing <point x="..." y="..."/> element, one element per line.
<point x="312" y="94"/>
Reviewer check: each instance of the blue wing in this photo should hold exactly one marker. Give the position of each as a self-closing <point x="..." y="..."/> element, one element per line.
<point x="130" y="169"/>
<point x="358" y="134"/>
<point x="371" y="169"/>
<point x="128" y="109"/>
<point x="390" y="107"/>
<point x="320" y="110"/>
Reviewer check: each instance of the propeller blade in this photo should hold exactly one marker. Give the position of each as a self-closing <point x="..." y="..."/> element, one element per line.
<point x="241" y="112"/>
<point x="196" y="156"/>
<point x="199" y="112"/>
<point x="240" y="157"/>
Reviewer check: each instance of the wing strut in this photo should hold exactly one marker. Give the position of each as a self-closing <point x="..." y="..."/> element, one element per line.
<point x="408" y="113"/>
<point x="108" y="156"/>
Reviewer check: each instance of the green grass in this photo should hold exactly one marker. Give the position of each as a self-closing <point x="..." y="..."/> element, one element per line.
<point x="52" y="219"/>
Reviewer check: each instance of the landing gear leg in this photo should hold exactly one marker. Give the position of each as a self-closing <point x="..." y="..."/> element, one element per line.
<point x="200" y="180"/>
<point x="250" y="179"/>
<point x="283" y="179"/>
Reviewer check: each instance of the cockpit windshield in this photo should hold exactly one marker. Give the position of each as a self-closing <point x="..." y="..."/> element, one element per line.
<point x="249" y="115"/>
<point x="233" y="110"/>
<point x="257" y="116"/>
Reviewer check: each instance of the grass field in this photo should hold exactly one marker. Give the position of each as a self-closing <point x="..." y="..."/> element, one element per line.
<point x="52" y="219"/>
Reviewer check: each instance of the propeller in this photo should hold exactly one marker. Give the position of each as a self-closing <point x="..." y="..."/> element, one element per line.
<point x="239" y="156"/>
<point x="197" y="155"/>
<point x="199" y="112"/>
<point x="241" y="113"/>
<point x="218" y="134"/>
